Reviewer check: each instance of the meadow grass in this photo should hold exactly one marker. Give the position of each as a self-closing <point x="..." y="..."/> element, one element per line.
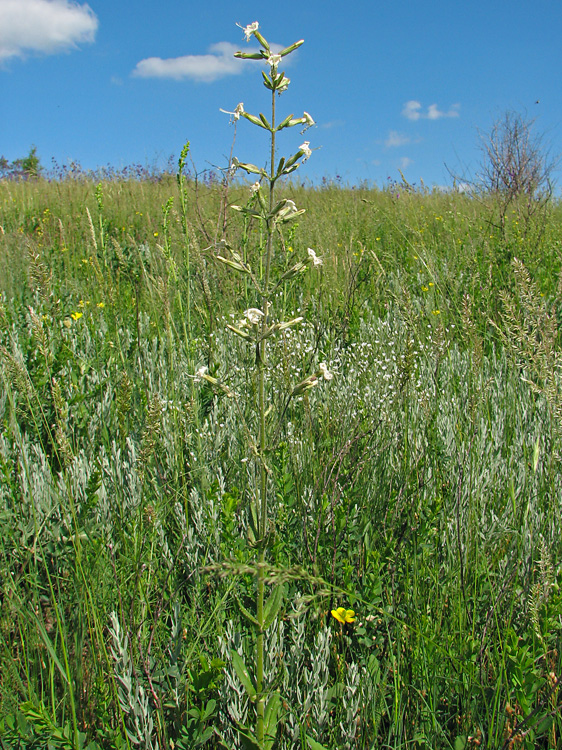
<point x="420" y="487"/>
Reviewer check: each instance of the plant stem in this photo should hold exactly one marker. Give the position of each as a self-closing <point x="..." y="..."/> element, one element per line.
<point x="261" y="362"/>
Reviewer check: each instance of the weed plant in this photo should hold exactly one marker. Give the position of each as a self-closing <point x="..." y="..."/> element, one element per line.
<point x="419" y="488"/>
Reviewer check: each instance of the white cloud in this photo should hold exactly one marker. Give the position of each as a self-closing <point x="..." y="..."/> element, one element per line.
<point x="405" y="162"/>
<point x="433" y="113"/>
<point x="220" y="62"/>
<point x="396" y="139"/>
<point x="46" y="26"/>
<point x="331" y="124"/>
<point x="412" y="110"/>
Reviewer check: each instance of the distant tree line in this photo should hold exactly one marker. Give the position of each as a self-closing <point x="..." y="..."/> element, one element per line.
<point x="28" y="166"/>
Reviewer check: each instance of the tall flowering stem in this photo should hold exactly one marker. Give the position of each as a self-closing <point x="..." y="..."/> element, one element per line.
<point x="257" y="326"/>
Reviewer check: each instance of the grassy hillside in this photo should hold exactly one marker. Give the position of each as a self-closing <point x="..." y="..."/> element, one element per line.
<point x="419" y="487"/>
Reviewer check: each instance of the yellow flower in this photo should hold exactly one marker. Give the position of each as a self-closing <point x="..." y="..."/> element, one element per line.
<point x="343" y="615"/>
<point x="76" y="315"/>
<point x="101" y="305"/>
<point x="425" y="289"/>
<point x="436" y="312"/>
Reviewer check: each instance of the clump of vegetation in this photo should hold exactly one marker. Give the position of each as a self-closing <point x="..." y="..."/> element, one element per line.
<point x="28" y="166"/>
<point x="407" y="560"/>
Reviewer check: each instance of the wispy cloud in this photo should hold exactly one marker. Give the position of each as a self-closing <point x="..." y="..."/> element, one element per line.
<point x="396" y="139"/>
<point x="218" y="63"/>
<point x="45" y="26"/>
<point x="405" y="162"/>
<point x="331" y="124"/>
<point x="413" y="110"/>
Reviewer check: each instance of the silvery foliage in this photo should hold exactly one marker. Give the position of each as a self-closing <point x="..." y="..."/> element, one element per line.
<point x="133" y="699"/>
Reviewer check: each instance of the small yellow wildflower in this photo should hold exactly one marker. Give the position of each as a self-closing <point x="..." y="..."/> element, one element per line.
<point x="425" y="289"/>
<point x="431" y="283"/>
<point x="344" y="615"/>
<point x="436" y="312"/>
<point x="156" y="234"/>
<point x="76" y="315"/>
<point x="101" y="305"/>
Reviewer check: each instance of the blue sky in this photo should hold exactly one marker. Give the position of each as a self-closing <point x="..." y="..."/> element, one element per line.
<point x="403" y="85"/>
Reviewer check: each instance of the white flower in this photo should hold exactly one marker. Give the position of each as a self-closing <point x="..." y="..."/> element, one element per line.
<point x="324" y="372"/>
<point x="249" y="30"/>
<point x="308" y="120"/>
<point x="284" y="85"/>
<point x="274" y="61"/>
<point x="253" y="315"/>
<point x="315" y="259"/>
<point x="236" y="114"/>
<point x="255" y="187"/>
<point x="306" y="150"/>
<point x="200" y="372"/>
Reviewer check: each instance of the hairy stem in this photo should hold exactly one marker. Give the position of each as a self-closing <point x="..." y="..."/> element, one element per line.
<point x="261" y="362"/>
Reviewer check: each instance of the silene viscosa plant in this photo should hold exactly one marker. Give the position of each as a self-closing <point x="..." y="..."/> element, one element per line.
<point x="258" y="328"/>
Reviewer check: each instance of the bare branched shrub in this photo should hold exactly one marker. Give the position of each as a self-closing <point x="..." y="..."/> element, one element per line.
<point x="516" y="168"/>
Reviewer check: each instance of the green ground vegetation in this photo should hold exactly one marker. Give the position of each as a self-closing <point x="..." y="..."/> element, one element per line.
<point x="421" y="487"/>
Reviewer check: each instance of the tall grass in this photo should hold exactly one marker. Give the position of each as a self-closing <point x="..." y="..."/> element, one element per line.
<point x="422" y="488"/>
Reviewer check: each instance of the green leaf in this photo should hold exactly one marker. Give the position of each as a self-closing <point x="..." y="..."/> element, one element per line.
<point x="243" y="675"/>
<point x="205" y="737"/>
<point x="209" y="709"/>
<point x="249" y="742"/>
<point x="243" y="334"/>
<point x="253" y="529"/>
<point x="270" y="720"/>
<point x="51" y="649"/>
<point x="248" y="615"/>
<point x="313" y="745"/>
<point x="273" y="605"/>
